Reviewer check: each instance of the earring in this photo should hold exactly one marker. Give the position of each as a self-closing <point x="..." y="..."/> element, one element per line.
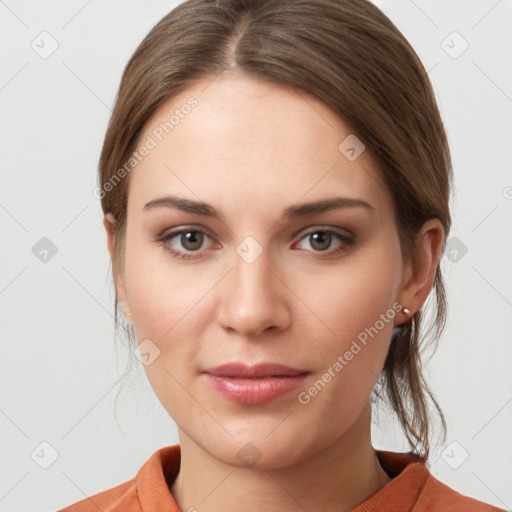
<point x="406" y="312"/>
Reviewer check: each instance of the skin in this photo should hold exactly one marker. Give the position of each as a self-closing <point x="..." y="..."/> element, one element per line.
<point x="251" y="149"/>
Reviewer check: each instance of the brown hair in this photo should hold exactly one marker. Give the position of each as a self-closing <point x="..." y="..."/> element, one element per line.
<point x="349" y="55"/>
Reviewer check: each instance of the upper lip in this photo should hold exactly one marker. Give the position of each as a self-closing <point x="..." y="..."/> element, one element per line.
<point x="258" y="370"/>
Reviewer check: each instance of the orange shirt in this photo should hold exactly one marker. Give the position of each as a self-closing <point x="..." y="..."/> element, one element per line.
<point x="413" y="488"/>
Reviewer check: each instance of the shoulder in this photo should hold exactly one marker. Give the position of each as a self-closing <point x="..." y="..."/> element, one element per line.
<point x="123" y="495"/>
<point x="436" y="495"/>
<point x="413" y="488"/>
<point x="148" y="490"/>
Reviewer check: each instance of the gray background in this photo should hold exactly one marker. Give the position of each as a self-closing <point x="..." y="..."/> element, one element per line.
<point x="60" y="371"/>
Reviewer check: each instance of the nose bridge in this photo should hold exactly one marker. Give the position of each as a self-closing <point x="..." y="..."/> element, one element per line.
<point x="252" y="286"/>
<point x="252" y="300"/>
<point x="251" y="272"/>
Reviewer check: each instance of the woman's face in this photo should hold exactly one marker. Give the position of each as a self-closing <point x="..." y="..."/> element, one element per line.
<point x="316" y="290"/>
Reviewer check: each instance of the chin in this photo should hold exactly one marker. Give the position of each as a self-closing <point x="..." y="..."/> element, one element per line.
<point x="261" y="452"/>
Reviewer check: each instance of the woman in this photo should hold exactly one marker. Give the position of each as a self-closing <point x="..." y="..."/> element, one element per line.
<point x="275" y="180"/>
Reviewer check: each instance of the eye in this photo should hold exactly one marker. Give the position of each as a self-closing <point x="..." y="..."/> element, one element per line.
<point x="191" y="240"/>
<point x="322" y="239"/>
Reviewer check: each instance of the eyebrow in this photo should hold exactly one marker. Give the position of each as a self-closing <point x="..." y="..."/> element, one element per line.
<point x="200" y="208"/>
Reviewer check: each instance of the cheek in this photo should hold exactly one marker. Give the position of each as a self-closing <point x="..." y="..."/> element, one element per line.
<point x="167" y="308"/>
<point x="355" y="305"/>
<point x="161" y="294"/>
<point x="353" y="295"/>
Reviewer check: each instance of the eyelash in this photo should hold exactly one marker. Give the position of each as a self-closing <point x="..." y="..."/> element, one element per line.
<point x="347" y="242"/>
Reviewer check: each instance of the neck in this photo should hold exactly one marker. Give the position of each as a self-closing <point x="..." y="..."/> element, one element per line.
<point x="337" y="478"/>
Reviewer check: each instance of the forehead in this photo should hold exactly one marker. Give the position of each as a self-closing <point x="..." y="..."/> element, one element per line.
<point x="235" y="137"/>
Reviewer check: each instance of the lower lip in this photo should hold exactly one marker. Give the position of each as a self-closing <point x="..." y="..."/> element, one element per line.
<point x="254" y="391"/>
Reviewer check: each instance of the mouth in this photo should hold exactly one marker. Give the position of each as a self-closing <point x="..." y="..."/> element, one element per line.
<point x="254" y="385"/>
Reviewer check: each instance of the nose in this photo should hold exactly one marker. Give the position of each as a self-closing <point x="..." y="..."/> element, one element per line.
<point x="254" y="297"/>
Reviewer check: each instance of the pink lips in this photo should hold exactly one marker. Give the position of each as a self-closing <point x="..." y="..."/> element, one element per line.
<point x="254" y="385"/>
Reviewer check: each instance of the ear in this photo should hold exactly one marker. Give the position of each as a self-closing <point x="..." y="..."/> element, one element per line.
<point x="109" y="222"/>
<point x="419" y="274"/>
